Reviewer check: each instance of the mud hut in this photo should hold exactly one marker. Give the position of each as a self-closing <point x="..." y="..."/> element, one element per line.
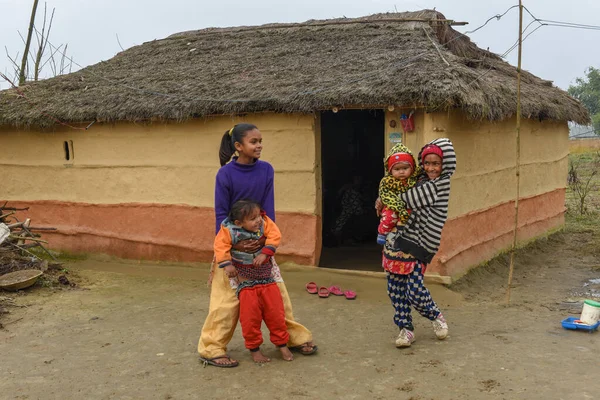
<point x="329" y="97"/>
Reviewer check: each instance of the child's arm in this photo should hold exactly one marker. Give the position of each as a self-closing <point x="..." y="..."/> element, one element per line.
<point x="390" y="199"/>
<point x="222" y="249"/>
<point x="425" y="195"/>
<point x="380" y="193"/>
<point x="389" y="219"/>
<point x="273" y="235"/>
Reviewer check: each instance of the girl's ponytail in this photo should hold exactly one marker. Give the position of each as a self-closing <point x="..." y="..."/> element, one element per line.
<point x="235" y="134"/>
<point x="226" y="150"/>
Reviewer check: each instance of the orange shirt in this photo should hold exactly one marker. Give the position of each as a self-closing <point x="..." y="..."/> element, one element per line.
<point x="224" y="241"/>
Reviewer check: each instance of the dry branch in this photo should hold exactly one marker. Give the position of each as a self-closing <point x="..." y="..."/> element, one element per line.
<point x="21" y="238"/>
<point x="7" y="215"/>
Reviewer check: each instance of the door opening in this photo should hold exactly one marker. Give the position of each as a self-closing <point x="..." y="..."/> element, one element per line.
<point x="352" y="151"/>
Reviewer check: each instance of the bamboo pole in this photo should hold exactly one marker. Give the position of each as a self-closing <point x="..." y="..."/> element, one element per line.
<point x="22" y="71"/>
<point x="518" y="161"/>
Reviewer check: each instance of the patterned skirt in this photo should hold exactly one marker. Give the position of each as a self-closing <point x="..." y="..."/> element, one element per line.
<point x="397" y="262"/>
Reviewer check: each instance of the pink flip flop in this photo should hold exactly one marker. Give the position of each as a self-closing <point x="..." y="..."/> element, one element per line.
<point x="311" y="288"/>
<point x="350" y="295"/>
<point x="336" y="290"/>
<point x="323" y="292"/>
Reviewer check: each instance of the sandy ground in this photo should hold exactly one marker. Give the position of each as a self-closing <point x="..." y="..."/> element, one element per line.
<point x="132" y="331"/>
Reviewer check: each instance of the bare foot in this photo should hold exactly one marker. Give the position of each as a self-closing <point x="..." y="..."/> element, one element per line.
<point x="286" y="354"/>
<point x="259" y="357"/>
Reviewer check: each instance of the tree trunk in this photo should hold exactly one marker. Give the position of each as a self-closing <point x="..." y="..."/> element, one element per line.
<point x="27" y="43"/>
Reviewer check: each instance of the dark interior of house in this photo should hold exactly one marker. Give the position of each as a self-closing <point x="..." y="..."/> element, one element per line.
<point x="352" y="151"/>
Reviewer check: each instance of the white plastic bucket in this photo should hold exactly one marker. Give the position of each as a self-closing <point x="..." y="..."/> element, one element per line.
<point x="590" y="313"/>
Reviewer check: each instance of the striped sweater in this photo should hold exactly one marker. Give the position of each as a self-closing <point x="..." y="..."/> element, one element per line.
<point x="422" y="233"/>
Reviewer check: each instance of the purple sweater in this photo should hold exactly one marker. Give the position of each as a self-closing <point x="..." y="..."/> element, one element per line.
<point x="244" y="182"/>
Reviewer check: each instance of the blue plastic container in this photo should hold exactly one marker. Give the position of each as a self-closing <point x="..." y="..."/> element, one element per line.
<point x="569" y="323"/>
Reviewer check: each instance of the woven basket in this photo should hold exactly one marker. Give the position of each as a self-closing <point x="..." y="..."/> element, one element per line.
<point x="17" y="280"/>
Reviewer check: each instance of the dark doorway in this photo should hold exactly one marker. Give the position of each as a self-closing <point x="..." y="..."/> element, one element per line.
<point x="352" y="151"/>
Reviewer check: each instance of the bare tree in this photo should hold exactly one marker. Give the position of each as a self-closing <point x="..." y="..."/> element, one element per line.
<point x="42" y="39"/>
<point x="33" y="61"/>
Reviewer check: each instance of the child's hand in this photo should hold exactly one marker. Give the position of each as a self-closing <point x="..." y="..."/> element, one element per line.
<point x="378" y="207"/>
<point x="230" y="271"/>
<point x="260" y="260"/>
<point x="248" y="246"/>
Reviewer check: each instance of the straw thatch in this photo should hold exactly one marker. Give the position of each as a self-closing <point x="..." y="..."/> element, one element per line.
<point x="366" y="62"/>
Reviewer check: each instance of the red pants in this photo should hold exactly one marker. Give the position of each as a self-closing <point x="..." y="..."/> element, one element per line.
<point x="389" y="219"/>
<point x="258" y="303"/>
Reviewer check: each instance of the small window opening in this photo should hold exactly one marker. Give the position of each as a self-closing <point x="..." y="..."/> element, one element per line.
<point x="67" y="152"/>
<point x="72" y="150"/>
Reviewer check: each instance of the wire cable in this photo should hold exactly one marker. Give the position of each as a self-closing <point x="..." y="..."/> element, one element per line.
<point x="516" y="44"/>
<point x="575" y="25"/>
<point x="585" y="133"/>
<point x="506" y="53"/>
<point x="572" y="26"/>
<point x="497" y="16"/>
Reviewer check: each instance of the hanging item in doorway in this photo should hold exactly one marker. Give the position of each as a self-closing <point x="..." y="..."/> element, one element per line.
<point x="408" y="122"/>
<point x="395" y="137"/>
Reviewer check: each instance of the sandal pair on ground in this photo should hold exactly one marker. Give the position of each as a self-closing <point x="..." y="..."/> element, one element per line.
<point x="324" y="292"/>
<point x="304" y="349"/>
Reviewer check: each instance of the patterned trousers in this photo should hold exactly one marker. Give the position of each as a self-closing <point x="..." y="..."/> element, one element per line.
<point x="409" y="290"/>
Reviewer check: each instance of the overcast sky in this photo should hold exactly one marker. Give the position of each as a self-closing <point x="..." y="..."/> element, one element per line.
<point x="90" y="26"/>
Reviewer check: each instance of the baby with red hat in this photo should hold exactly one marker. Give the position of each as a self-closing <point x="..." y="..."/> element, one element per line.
<point x="400" y="175"/>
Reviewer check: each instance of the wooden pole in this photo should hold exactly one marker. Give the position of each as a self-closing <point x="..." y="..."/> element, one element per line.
<point x="518" y="153"/>
<point x="23" y="70"/>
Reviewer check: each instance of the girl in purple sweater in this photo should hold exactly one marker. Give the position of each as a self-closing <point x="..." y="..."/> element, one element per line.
<point x="245" y="177"/>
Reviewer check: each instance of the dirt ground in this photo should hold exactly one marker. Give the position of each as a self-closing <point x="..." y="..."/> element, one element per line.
<point x="131" y="333"/>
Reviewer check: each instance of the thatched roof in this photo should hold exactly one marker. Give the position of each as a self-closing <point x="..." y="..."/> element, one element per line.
<point x="369" y="61"/>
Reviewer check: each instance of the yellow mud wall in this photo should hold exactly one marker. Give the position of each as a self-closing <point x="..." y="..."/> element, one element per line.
<point x="415" y="139"/>
<point x="486" y="154"/>
<point x="168" y="163"/>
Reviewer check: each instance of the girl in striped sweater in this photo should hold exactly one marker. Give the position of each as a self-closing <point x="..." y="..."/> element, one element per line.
<point x="415" y="243"/>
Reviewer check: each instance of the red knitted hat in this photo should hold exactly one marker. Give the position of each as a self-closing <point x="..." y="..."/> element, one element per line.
<point x="400" y="158"/>
<point x="431" y="149"/>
